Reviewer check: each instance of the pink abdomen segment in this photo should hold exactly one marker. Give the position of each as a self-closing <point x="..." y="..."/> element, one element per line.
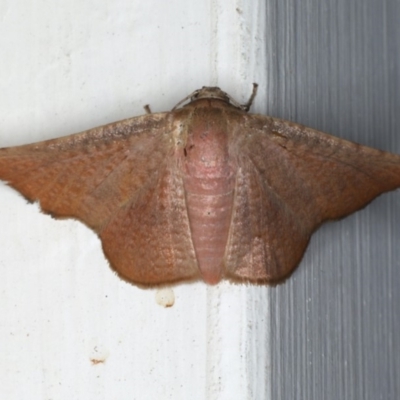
<point x="209" y="217"/>
<point x="209" y="186"/>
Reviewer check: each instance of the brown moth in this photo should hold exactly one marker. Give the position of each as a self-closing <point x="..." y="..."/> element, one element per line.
<point x="206" y="191"/>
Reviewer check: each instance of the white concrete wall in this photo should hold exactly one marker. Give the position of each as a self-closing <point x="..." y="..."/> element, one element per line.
<point x="73" y="65"/>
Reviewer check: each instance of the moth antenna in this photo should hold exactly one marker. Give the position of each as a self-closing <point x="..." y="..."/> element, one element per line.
<point x="189" y="97"/>
<point x="247" y="105"/>
<point x="147" y="109"/>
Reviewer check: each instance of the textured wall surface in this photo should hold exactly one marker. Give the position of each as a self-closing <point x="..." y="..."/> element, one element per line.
<point x="335" y="324"/>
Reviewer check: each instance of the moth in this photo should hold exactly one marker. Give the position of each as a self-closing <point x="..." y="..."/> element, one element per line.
<point x="205" y="191"/>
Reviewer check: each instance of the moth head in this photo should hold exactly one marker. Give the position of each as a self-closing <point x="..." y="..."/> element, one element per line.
<point x="214" y="92"/>
<point x="210" y="92"/>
